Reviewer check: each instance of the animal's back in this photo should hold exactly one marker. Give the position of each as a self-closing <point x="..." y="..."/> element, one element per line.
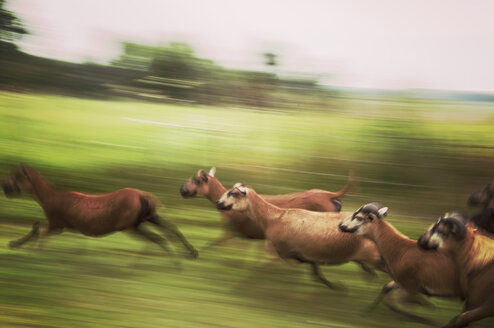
<point x="313" y="200"/>
<point x="101" y="214"/>
<point x="313" y="234"/>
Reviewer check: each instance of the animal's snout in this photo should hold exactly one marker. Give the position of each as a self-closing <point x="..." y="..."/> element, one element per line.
<point x="344" y="228"/>
<point x="474" y="199"/>
<point x="185" y="192"/>
<point x="423" y="243"/>
<point x="221" y="206"/>
<point x="8" y="189"/>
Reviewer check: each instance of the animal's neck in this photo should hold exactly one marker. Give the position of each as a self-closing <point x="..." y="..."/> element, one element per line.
<point x="389" y="241"/>
<point x="261" y="211"/>
<point x="490" y="203"/>
<point x="475" y="252"/>
<point x="216" y="190"/>
<point x="41" y="188"/>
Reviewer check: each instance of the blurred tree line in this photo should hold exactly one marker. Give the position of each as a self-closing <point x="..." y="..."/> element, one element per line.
<point x="170" y="73"/>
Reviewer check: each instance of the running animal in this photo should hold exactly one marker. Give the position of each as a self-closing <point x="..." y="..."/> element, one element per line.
<point x="306" y="236"/>
<point x="473" y="255"/>
<point x="92" y="215"/>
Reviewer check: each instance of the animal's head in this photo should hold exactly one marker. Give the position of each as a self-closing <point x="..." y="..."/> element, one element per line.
<point x="198" y="185"/>
<point x="19" y="182"/>
<point x="447" y="231"/>
<point x="483" y="197"/>
<point x="361" y="221"/>
<point x="234" y="199"/>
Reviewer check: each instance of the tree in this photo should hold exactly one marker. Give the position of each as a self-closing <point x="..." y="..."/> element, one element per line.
<point x="136" y="56"/>
<point x="10" y="26"/>
<point x="270" y="59"/>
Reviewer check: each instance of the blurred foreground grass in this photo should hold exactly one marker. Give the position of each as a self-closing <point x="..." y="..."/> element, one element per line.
<point x="420" y="158"/>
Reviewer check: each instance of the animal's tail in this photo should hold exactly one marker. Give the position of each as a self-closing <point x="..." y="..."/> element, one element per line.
<point x="337" y="204"/>
<point x="346" y="188"/>
<point x="148" y="207"/>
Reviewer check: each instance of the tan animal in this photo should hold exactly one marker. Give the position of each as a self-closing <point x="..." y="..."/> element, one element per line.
<point x="238" y="224"/>
<point x="92" y="215"/>
<point x="306" y="236"/>
<point x="414" y="270"/>
<point x="473" y="255"/>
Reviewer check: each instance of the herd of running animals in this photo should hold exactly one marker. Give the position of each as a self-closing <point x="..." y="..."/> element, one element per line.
<point x="453" y="258"/>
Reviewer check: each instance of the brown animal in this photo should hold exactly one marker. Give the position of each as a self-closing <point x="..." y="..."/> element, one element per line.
<point x="414" y="270"/>
<point x="238" y="224"/>
<point x="484" y="198"/>
<point x="306" y="236"/>
<point x="92" y="215"/>
<point x="473" y="255"/>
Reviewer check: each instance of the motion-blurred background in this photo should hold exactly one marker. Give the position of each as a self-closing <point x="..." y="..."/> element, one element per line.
<point x="282" y="95"/>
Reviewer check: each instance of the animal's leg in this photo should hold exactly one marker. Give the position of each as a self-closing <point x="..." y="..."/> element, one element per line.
<point x="218" y="241"/>
<point x="392" y="305"/>
<point x="151" y="236"/>
<point x="384" y="291"/>
<point x="470" y="316"/>
<point x="366" y="268"/>
<point x="34" y="233"/>
<point x="419" y="300"/>
<point x="168" y="227"/>
<point x="271" y="253"/>
<point x="319" y="276"/>
<point x="143" y="232"/>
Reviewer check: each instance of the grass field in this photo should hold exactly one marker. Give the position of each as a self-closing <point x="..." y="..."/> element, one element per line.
<point x="419" y="158"/>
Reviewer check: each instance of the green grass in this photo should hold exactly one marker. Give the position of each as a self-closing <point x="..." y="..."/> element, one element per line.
<point x="419" y="158"/>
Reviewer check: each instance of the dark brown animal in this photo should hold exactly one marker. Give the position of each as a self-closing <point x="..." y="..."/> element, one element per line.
<point x="414" y="270"/>
<point x="92" y="215"/>
<point x="238" y="224"/>
<point x="306" y="236"/>
<point x="473" y="255"/>
<point x="484" y="198"/>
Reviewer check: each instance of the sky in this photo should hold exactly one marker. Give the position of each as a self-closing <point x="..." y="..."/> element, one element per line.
<point x="385" y="44"/>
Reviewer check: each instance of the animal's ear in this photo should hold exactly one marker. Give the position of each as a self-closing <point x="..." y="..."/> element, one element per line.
<point x="457" y="228"/>
<point x="243" y="189"/>
<point x="383" y="212"/>
<point x="23" y="170"/>
<point x="373" y="216"/>
<point x="212" y="172"/>
<point x="204" y="176"/>
<point x="357" y="212"/>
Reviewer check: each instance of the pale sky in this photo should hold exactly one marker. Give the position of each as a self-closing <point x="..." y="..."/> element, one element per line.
<point x="431" y="44"/>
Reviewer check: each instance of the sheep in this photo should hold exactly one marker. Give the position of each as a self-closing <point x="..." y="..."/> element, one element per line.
<point x="306" y="236"/>
<point x="92" y="215"/>
<point x="473" y="255"/>
<point x="484" y="197"/>
<point x="414" y="270"/>
<point x="238" y="224"/>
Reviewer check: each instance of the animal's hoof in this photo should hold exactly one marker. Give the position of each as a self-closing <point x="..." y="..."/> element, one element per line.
<point x="13" y="244"/>
<point x="338" y="286"/>
<point x="194" y="254"/>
